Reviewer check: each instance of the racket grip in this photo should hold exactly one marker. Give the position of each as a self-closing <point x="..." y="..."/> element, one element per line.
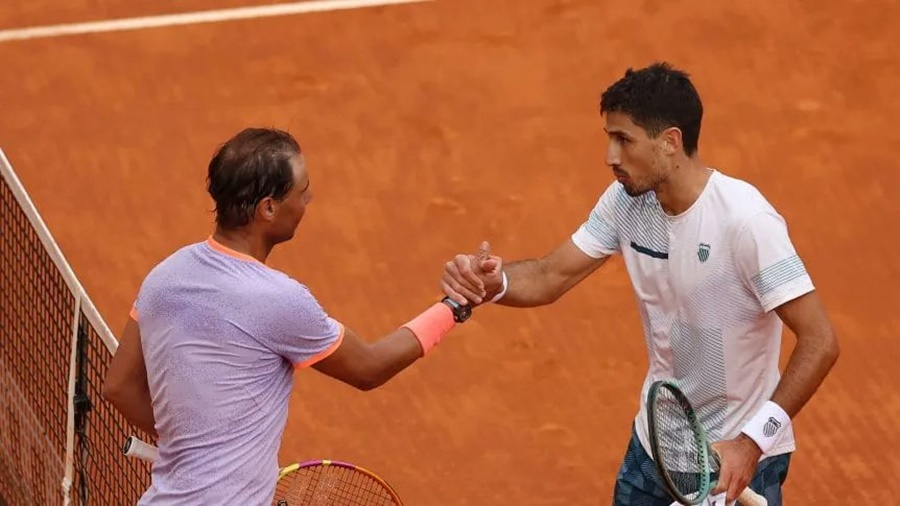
<point x="750" y="498"/>
<point x="136" y="448"/>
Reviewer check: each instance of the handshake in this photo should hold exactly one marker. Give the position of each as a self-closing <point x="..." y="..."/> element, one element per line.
<point x="475" y="278"/>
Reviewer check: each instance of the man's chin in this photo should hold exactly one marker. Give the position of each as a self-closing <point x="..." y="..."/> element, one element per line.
<point x="286" y="237"/>
<point x="634" y="192"/>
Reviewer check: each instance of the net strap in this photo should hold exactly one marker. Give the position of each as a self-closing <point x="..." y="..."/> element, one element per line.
<point x="70" y="419"/>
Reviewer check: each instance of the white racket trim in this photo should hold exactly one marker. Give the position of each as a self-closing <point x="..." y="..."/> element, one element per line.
<point x="136" y="448"/>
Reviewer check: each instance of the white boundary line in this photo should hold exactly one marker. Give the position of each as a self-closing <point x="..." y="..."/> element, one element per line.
<point x="191" y="18"/>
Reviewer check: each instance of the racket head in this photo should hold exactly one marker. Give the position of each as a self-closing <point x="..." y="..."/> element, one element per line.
<point x="679" y="444"/>
<point x="332" y="482"/>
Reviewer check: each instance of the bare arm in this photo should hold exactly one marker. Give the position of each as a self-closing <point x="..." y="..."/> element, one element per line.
<point x="367" y="365"/>
<point x="543" y="281"/>
<point x="816" y="352"/>
<point x="125" y="385"/>
<point x="475" y="278"/>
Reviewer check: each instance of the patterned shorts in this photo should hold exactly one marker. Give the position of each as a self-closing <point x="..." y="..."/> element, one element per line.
<point x="639" y="484"/>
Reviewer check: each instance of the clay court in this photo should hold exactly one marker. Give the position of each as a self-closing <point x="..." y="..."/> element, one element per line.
<point x="429" y="127"/>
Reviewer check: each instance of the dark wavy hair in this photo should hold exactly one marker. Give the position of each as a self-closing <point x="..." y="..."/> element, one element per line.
<point x="252" y="165"/>
<point x="655" y="98"/>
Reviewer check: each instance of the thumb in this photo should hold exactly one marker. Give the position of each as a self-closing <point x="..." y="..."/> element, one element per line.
<point x="490" y="264"/>
<point x="484" y="251"/>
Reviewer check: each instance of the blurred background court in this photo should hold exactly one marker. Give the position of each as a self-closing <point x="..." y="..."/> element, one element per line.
<point x="429" y="127"/>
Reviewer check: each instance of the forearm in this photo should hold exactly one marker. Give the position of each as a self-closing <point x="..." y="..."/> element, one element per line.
<point x="413" y="340"/>
<point x="390" y="355"/>
<point x="529" y="285"/>
<point x="810" y="362"/>
<point x="540" y="282"/>
<point x="367" y="365"/>
<point x="814" y="355"/>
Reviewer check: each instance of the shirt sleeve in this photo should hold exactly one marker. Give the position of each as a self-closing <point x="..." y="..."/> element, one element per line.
<point x="303" y="332"/>
<point x="598" y="236"/>
<point x="137" y="305"/>
<point x="768" y="263"/>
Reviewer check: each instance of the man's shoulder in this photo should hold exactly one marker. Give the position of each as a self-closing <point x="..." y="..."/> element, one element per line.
<point x="738" y="200"/>
<point x="174" y="261"/>
<point x="737" y="186"/>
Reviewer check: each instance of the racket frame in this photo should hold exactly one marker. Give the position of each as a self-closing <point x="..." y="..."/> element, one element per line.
<point x="700" y="439"/>
<point x="286" y="470"/>
<point x="136" y="448"/>
<point x="748" y="496"/>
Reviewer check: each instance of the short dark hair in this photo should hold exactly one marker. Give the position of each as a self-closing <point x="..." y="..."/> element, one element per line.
<point x="252" y="165"/>
<point x="655" y="98"/>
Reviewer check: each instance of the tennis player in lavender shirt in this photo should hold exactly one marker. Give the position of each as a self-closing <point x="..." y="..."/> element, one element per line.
<point x="206" y="359"/>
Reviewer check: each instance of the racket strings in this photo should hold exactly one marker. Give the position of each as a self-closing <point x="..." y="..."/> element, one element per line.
<point x="680" y="452"/>
<point x="330" y="485"/>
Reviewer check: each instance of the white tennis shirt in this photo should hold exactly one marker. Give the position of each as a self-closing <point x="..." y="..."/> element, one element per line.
<point x="706" y="283"/>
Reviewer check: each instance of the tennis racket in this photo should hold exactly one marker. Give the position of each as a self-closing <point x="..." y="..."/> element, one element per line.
<point x="311" y="483"/>
<point x="680" y="448"/>
<point x="332" y="483"/>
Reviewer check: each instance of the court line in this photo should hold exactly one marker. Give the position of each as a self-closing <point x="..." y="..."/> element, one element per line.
<point x="190" y="18"/>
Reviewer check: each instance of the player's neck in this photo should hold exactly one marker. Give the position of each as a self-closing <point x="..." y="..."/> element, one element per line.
<point x="683" y="186"/>
<point x="243" y="240"/>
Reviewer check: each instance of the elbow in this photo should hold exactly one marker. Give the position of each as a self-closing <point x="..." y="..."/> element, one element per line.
<point x="833" y="350"/>
<point x="366" y="385"/>
<point x="367" y="381"/>
<point x="116" y="389"/>
<point x="828" y="349"/>
<point x="371" y="374"/>
<point x="111" y="392"/>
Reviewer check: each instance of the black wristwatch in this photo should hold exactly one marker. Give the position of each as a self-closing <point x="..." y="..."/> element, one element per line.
<point x="461" y="312"/>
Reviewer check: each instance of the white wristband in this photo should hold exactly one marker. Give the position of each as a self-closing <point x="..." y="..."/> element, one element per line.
<point x="767" y="426"/>
<point x="503" y="290"/>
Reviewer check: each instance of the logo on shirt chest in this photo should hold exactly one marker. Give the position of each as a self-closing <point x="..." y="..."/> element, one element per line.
<point x="703" y="252"/>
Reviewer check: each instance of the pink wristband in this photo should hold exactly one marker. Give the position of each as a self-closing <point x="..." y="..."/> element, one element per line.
<point x="431" y="326"/>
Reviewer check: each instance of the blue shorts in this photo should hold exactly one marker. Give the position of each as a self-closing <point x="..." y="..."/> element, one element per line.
<point x="639" y="483"/>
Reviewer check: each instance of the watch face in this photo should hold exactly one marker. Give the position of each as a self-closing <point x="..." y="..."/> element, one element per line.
<point x="460" y="313"/>
<point x="464" y="313"/>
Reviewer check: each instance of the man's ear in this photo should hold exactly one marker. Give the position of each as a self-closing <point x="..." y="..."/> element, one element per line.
<point x="265" y="209"/>
<point x="672" y="140"/>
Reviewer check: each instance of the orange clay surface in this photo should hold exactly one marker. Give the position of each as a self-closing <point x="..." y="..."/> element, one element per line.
<point x="430" y="127"/>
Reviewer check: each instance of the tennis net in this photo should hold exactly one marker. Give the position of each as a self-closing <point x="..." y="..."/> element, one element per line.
<point x="60" y="442"/>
